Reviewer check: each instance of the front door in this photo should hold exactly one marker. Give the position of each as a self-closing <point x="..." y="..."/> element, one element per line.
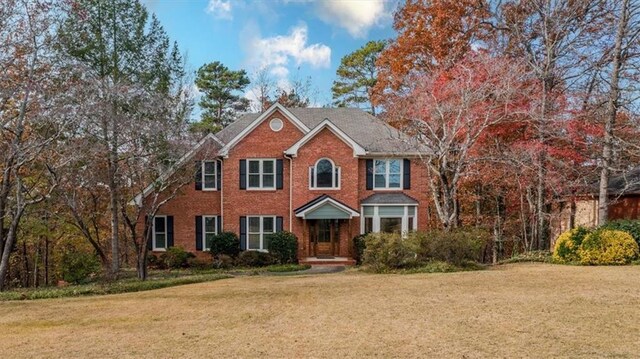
<point x="323" y="234"/>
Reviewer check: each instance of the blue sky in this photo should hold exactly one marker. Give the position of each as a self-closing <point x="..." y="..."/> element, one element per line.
<point x="291" y="39"/>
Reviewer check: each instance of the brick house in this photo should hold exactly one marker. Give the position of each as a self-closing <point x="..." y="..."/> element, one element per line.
<point x="624" y="197"/>
<point x="325" y="174"/>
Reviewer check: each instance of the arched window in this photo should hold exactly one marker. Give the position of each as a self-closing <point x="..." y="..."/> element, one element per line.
<point x="324" y="174"/>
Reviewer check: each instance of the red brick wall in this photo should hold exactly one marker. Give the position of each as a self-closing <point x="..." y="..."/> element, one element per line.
<point x="419" y="189"/>
<point x="262" y="142"/>
<point x="326" y="145"/>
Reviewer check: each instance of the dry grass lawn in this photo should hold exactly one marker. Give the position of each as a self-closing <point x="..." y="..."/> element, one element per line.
<point x="521" y="310"/>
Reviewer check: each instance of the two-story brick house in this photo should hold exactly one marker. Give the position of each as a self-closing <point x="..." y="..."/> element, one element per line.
<point x="325" y="174"/>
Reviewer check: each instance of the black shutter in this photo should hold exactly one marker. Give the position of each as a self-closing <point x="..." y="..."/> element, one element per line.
<point x="243" y="174"/>
<point x="219" y="224"/>
<point x="278" y="224"/>
<point x="198" y="233"/>
<point x="149" y="233"/>
<point x="219" y="175"/>
<point x="198" y="176"/>
<point x="243" y="233"/>
<point x="406" y="174"/>
<point x="279" y="172"/>
<point x="169" y="231"/>
<point x="369" y="174"/>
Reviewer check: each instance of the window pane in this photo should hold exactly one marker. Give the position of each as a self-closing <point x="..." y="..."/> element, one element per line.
<point x="254" y="224"/>
<point x="210" y="168"/>
<point x="267" y="181"/>
<point x="324" y="173"/>
<point x="159" y="224"/>
<point x="368" y="225"/>
<point x="394" y="181"/>
<point x="391" y="211"/>
<point x="410" y="225"/>
<point x="367" y="211"/>
<point x="254" y="180"/>
<point x="254" y="166"/>
<point x="394" y="166"/>
<point x="412" y="211"/>
<point x="267" y="224"/>
<point x="380" y="166"/>
<point x="265" y="241"/>
<point x="390" y="225"/>
<point x="380" y="181"/>
<point x="267" y="167"/>
<point x="209" y="224"/>
<point x="160" y="240"/>
<point x="254" y="241"/>
<point x="208" y="238"/>
<point x="209" y="181"/>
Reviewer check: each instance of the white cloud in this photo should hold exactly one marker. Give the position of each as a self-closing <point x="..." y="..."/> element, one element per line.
<point x="356" y="16"/>
<point x="220" y="9"/>
<point x="277" y="52"/>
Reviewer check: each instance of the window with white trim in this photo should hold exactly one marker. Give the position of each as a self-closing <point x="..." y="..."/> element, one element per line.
<point x="325" y="174"/>
<point x="209" y="230"/>
<point x="159" y="241"/>
<point x="387" y="174"/>
<point x="258" y="230"/>
<point x="389" y="218"/>
<point x="261" y="174"/>
<point x="209" y="175"/>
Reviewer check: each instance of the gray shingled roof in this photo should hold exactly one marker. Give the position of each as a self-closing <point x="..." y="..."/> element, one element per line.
<point x="373" y="134"/>
<point x="624" y="184"/>
<point x="389" y="198"/>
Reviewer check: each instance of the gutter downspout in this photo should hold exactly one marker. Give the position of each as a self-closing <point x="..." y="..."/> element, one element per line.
<point x="221" y="194"/>
<point x="290" y="158"/>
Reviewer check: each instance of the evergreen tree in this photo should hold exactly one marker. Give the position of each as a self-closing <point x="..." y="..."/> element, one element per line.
<point x="222" y="98"/>
<point x="357" y="76"/>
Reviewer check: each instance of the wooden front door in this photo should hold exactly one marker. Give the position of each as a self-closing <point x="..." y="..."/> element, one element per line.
<point x="323" y="235"/>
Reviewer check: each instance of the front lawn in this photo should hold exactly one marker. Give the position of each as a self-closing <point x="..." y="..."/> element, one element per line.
<point x="515" y="310"/>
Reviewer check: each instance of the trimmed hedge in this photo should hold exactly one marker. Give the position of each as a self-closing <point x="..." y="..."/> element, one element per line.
<point x="608" y="247"/>
<point x="630" y="226"/>
<point x="225" y="243"/>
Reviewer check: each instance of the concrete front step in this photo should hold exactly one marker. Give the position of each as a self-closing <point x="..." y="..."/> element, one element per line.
<point x="335" y="261"/>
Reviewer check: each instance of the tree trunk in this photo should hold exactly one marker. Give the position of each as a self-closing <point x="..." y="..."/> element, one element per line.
<point x="612" y="111"/>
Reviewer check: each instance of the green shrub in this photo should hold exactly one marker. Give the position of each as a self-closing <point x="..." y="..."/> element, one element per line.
<point x="199" y="263"/>
<point x="568" y="243"/>
<point x="385" y="251"/>
<point x="225" y="243"/>
<point x="76" y="263"/>
<point x="283" y="246"/>
<point x="254" y="259"/>
<point x="176" y="258"/>
<point x="358" y="247"/>
<point x="608" y="247"/>
<point x="630" y="226"/>
<point x="456" y="246"/>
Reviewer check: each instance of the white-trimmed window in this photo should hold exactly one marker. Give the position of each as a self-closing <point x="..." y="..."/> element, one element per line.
<point x="209" y="230"/>
<point x="389" y="218"/>
<point x="261" y="174"/>
<point x="324" y="174"/>
<point x="258" y="230"/>
<point x="159" y="240"/>
<point x="387" y="174"/>
<point x="209" y="175"/>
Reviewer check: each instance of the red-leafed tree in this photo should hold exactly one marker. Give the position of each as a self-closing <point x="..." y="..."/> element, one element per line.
<point x="451" y="112"/>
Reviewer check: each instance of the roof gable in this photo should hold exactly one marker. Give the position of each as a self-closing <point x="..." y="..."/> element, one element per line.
<point x="326" y="123"/>
<point x="256" y="122"/>
<point x="325" y="205"/>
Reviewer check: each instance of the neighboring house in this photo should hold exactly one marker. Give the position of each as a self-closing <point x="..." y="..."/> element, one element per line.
<point x="325" y="174"/>
<point x="624" y="197"/>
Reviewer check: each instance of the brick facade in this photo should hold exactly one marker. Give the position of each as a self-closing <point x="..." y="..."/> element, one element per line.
<point x="231" y="202"/>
